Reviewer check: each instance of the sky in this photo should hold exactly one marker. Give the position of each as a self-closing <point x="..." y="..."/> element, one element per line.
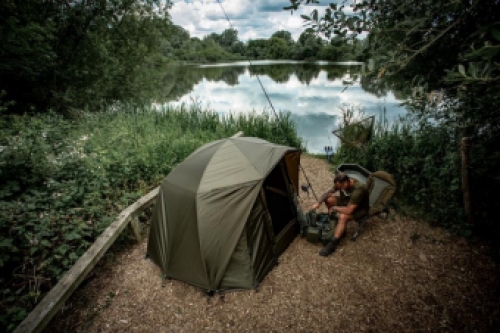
<point x="251" y="18"/>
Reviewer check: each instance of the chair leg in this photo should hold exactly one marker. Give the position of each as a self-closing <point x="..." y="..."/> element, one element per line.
<point x="361" y="224"/>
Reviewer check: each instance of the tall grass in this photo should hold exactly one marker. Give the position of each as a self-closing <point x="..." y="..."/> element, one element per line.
<point x="62" y="182"/>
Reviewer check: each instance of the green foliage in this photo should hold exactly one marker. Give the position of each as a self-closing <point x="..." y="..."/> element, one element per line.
<point x="311" y="44"/>
<point x="227" y="38"/>
<point x="449" y="48"/>
<point x="285" y="35"/>
<point x="209" y="51"/>
<point x="485" y="182"/>
<point x="69" y="55"/>
<point x="424" y="158"/>
<point x="62" y="55"/>
<point x="62" y="182"/>
<point x="257" y="49"/>
<point x="277" y="48"/>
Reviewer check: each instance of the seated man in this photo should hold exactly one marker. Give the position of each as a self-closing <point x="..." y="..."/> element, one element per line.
<point x="349" y="198"/>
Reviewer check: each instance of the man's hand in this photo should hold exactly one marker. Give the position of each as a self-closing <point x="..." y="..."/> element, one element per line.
<point x="315" y="206"/>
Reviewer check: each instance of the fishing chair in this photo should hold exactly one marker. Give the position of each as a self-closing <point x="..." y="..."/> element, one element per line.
<point x="381" y="188"/>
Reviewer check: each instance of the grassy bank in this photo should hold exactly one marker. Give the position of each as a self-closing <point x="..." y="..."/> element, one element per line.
<point x="62" y="182"/>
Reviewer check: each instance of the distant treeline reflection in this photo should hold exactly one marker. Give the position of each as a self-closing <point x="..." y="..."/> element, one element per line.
<point x="180" y="80"/>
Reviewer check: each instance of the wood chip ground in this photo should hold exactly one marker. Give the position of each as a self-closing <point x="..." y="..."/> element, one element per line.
<point x="399" y="276"/>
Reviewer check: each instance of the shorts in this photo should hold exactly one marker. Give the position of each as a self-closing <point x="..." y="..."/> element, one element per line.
<point x="358" y="214"/>
<point x="343" y="200"/>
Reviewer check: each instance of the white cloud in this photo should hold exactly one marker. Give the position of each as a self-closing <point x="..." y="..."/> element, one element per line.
<point x="252" y="19"/>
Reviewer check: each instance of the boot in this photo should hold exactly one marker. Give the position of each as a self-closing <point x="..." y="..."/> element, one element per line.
<point x="329" y="248"/>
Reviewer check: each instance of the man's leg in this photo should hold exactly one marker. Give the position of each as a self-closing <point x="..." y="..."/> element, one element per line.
<point x="331" y="246"/>
<point x="341" y="225"/>
<point x="331" y="201"/>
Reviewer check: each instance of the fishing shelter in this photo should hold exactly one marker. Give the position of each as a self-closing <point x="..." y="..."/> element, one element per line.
<point x="225" y="214"/>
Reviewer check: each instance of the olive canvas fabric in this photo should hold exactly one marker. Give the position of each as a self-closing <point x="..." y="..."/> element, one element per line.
<point x="225" y="214"/>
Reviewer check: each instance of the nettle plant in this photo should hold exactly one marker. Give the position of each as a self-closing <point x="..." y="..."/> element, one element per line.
<point x="42" y="232"/>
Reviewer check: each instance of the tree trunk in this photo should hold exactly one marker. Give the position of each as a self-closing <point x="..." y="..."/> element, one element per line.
<point x="465" y="144"/>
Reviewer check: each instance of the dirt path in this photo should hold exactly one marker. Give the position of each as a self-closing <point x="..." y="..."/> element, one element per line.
<point x="400" y="276"/>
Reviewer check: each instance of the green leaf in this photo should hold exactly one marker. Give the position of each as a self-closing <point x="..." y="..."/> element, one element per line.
<point x="315" y="15"/>
<point x="305" y="17"/>
<point x="72" y="236"/>
<point x="461" y="69"/>
<point x="7" y="242"/>
<point x="496" y="34"/>
<point x="371" y="65"/>
<point x="473" y="69"/>
<point x="63" y="249"/>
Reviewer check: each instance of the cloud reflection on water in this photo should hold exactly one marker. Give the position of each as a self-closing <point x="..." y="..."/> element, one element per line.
<point x="314" y="106"/>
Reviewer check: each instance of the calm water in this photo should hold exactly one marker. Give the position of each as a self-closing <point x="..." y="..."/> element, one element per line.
<point x="311" y="92"/>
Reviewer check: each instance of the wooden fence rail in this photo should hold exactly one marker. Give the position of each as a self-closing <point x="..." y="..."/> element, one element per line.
<point x="54" y="300"/>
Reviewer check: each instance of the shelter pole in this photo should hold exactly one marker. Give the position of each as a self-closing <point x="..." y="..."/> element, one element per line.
<point x="464" y="148"/>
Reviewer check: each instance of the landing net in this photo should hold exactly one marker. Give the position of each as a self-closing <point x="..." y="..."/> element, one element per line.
<point x="356" y="134"/>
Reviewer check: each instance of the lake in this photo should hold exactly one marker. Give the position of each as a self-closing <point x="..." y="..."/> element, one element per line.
<point x="311" y="92"/>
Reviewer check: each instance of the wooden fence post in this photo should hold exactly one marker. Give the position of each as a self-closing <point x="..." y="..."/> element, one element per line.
<point x="135" y="228"/>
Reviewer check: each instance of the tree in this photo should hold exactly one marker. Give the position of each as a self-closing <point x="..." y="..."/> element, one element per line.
<point x="256" y="48"/>
<point x="238" y="47"/>
<point x="450" y="47"/>
<point x="337" y="49"/>
<point x="66" y="54"/>
<point x="228" y="37"/>
<point x="285" y="35"/>
<point x="311" y="44"/>
<point x="213" y="36"/>
<point x="277" y="48"/>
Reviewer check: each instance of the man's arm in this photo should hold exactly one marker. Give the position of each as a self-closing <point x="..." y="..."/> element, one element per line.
<point x="323" y="198"/>
<point x="356" y="197"/>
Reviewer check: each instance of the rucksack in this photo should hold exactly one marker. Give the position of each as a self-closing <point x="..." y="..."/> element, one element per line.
<point x="381" y="188"/>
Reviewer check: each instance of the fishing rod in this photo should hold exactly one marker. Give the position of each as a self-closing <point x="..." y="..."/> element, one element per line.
<point x="305" y="187"/>
<point x="248" y="59"/>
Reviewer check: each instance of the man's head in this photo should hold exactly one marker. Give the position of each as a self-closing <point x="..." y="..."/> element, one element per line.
<point x="342" y="181"/>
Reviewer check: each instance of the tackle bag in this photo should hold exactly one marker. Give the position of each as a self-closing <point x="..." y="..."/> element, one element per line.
<point x="318" y="227"/>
